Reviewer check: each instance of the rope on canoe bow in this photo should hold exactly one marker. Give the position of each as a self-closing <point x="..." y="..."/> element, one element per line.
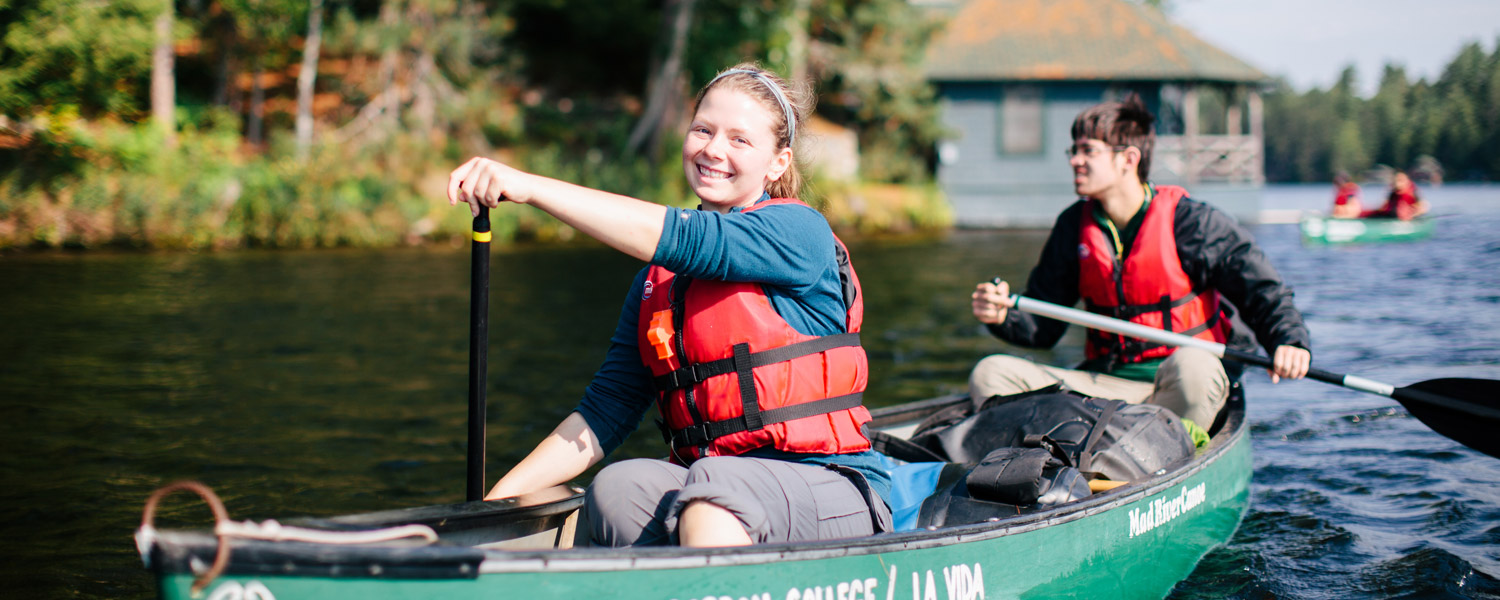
<point x="270" y="530"/>
<point x="145" y="536"/>
<point x="276" y="532"/>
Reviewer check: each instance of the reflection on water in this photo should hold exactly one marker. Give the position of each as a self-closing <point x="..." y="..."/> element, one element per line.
<point x="317" y="383"/>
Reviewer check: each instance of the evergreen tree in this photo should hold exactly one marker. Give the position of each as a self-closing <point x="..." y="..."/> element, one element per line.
<point x="1453" y="121"/>
<point x="1391" y="129"/>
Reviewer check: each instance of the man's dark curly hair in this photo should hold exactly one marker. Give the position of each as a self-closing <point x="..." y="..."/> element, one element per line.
<point x="1125" y="123"/>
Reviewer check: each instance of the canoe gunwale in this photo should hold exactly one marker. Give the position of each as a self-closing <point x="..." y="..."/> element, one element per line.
<point x="178" y="550"/>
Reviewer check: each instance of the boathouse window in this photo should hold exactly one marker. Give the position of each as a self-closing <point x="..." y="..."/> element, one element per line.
<point x="1020" y="128"/>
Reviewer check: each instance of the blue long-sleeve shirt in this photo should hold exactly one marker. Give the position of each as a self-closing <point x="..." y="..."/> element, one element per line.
<point x="787" y="248"/>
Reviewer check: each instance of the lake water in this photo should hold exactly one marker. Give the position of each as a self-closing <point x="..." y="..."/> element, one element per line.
<point x="320" y="383"/>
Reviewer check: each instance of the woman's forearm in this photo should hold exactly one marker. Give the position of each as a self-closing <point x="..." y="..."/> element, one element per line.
<point x="565" y="453"/>
<point x="626" y="224"/>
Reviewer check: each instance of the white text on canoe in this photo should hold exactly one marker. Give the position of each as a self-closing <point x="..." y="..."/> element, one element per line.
<point x="1162" y="510"/>
<point x="959" y="582"/>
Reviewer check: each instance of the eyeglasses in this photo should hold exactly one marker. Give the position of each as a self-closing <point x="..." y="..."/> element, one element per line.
<point x="1089" y="150"/>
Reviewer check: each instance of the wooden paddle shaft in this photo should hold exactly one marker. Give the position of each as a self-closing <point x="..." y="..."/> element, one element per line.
<point x="1104" y="485"/>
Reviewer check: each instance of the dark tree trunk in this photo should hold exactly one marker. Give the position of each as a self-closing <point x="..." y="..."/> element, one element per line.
<point x="664" y="82"/>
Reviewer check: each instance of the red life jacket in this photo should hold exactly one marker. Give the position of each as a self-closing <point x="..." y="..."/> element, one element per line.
<point x="1346" y="192"/>
<point x="735" y="376"/>
<point x="1150" y="288"/>
<point x="1400" y="204"/>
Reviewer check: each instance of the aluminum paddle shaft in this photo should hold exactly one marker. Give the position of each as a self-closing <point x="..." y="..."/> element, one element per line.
<point x="1465" y="410"/>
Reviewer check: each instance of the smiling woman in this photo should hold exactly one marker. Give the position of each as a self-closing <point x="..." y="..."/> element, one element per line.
<point x="743" y="329"/>
<point x="734" y="139"/>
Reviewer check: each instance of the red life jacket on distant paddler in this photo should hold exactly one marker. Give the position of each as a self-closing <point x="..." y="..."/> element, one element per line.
<point x="734" y="376"/>
<point x="1149" y="288"/>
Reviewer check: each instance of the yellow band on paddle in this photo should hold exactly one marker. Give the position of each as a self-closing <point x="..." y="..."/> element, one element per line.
<point x="482" y="236"/>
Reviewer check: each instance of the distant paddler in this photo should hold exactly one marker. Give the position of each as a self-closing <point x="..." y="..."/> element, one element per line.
<point x="1402" y="202"/>
<point x="1150" y="255"/>
<point x="1346" y="202"/>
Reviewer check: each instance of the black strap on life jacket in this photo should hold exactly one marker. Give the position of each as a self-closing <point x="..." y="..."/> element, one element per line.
<point x="752" y="417"/>
<point x="742" y="363"/>
<point x="1123" y="347"/>
<point x="700" y="372"/>
<point x="702" y="433"/>
<point x="1163" y="306"/>
<point x="679" y="317"/>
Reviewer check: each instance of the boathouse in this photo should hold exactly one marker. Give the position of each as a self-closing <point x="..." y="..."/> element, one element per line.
<point x="1012" y="74"/>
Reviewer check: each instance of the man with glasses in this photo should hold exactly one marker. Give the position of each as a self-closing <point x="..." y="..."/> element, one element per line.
<point x="1147" y="254"/>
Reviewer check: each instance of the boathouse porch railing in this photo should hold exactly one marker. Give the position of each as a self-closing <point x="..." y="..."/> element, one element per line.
<point x="1209" y="159"/>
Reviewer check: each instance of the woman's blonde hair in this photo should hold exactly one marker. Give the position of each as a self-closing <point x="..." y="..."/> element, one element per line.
<point x="770" y="90"/>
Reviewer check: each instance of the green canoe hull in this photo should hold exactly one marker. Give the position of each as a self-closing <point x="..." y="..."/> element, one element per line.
<point x="1320" y="230"/>
<point x="1136" y="541"/>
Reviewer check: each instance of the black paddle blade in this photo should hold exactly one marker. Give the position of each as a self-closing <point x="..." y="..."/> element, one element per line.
<point x="1466" y="411"/>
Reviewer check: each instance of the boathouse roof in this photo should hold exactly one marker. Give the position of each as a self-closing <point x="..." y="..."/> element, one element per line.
<point x="1073" y="40"/>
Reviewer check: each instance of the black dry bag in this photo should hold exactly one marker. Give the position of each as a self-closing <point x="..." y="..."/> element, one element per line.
<point x="1102" y="438"/>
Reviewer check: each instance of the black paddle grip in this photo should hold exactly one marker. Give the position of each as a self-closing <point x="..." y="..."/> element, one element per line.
<point x="1261" y="361"/>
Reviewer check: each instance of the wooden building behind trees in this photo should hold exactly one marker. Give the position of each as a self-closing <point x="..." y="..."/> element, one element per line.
<point x="1011" y="76"/>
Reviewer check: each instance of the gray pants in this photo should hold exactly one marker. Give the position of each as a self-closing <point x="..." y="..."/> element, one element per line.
<point x="637" y="502"/>
<point x="1190" y="382"/>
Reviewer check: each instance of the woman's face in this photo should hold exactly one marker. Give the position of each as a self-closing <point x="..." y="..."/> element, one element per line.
<point x="730" y="152"/>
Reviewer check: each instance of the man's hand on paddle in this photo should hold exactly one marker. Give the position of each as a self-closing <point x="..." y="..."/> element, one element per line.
<point x="1290" y="362"/>
<point x="482" y="181"/>
<point x="991" y="301"/>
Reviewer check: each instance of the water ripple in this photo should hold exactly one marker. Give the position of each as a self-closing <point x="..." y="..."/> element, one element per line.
<point x="1425" y="572"/>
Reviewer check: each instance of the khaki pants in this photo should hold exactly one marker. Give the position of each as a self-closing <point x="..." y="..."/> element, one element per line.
<point x="1190" y="382"/>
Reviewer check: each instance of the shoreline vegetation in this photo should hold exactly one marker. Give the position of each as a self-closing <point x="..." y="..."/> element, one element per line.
<point x="126" y="191"/>
<point x="222" y="124"/>
<point x="219" y="124"/>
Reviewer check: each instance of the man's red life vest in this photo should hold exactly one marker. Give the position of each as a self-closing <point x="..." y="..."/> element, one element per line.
<point x="1401" y="204"/>
<point x="735" y="376"/>
<point x="1150" y="288"/>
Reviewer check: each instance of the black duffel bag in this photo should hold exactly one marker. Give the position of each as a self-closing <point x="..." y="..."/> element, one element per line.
<point x="1108" y="439"/>
<point x="1025" y="476"/>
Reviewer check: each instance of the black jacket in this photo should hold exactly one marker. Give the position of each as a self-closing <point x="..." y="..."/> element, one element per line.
<point x="1214" y="250"/>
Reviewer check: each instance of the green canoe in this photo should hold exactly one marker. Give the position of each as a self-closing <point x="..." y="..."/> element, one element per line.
<point x="1324" y="230"/>
<point x="1135" y="541"/>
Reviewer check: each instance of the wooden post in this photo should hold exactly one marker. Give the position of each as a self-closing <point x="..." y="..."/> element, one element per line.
<point x="1190" y="133"/>
<point x="1232" y="114"/>
<point x="1257" y="134"/>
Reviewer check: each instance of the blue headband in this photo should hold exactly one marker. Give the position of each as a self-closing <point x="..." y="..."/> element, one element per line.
<point x="786" y="107"/>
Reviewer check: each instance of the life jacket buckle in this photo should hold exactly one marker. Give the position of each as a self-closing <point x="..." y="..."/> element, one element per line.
<point x="686" y="376"/>
<point x="673" y="443"/>
<point x="690" y="436"/>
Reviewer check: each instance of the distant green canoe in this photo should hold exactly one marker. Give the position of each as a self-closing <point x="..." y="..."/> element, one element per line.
<point x="1324" y="230"/>
<point x="1135" y="541"/>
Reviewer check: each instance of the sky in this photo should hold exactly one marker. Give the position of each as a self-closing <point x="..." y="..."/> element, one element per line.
<point x="1309" y="42"/>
